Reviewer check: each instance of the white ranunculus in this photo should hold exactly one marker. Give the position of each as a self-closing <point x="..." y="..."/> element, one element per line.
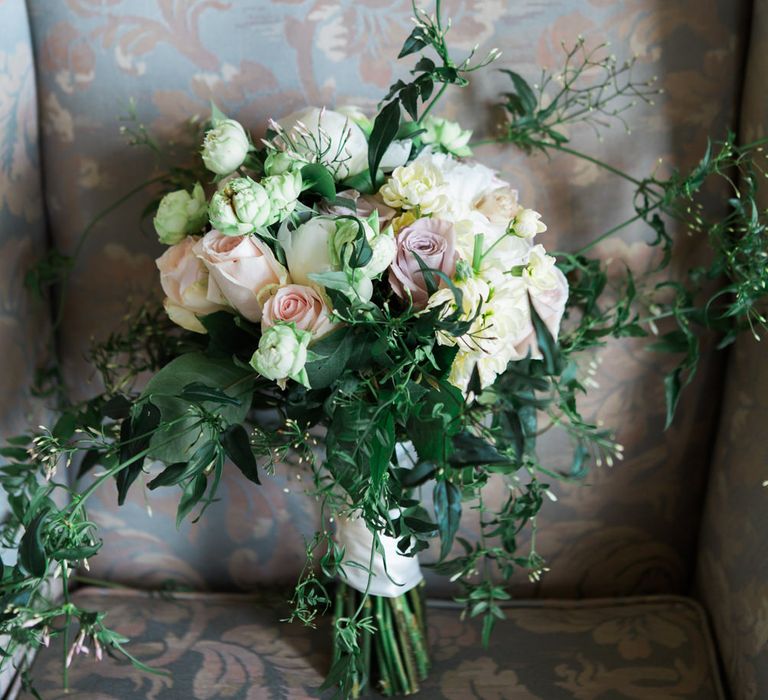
<point x="282" y="354"/>
<point x="283" y="192"/>
<point x="241" y="207"/>
<point x="179" y="214"/>
<point x="447" y="135"/>
<point x="417" y="185"/>
<point x="527" y="224"/>
<point x="225" y="147"/>
<point x="324" y="136"/>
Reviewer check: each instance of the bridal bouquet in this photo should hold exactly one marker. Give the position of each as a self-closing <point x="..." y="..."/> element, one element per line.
<point x="383" y="314"/>
<point x="362" y="294"/>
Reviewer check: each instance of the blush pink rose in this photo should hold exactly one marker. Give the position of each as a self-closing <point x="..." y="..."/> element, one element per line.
<point x="184" y="280"/>
<point x="303" y="306"/>
<point x="243" y="270"/>
<point x="434" y="242"/>
<point x="550" y="306"/>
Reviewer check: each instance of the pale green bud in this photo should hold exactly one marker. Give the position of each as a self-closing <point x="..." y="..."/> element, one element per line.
<point x="282" y="354"/>
<point x="179" y="214"/>
<point x="225" y="147"/>
<point x="240" y="207"/>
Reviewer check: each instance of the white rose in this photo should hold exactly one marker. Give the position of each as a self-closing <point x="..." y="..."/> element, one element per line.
<point x="184" y="280"/>
<point x="283" y="192"/>
<point x="499" y="205"/>
<point x="417" y="185"/>
<point x="282" y="354"/>
<point x="243" y="271"/>
<point x="308" y="248"/>
<point x="526" y="224"/>
<point x="225" y="147"/>
<point x="180" y="213"/>
<point x="383" y="247"/>
<point x="241" y="207"/>
<point x="327" y="137"/>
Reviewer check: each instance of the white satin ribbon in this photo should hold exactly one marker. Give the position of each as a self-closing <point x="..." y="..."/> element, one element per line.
<point x="402" y="573"/>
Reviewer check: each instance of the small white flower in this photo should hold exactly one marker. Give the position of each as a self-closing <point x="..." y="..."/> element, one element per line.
<point x="540" y="272"/>
<point x="527" y="224"/>
<point x="179" y="214"/>
<point x="225" y="147"/>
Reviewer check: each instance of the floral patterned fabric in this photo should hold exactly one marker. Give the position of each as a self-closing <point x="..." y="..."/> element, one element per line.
<point x="633" y="528"/>
<point x="235" y="647"/>
<point x="733" y="563"/>
<point x="23" y="319"/>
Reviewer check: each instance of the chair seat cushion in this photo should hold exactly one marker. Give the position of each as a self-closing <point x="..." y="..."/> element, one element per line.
<point x="235" y="646"/>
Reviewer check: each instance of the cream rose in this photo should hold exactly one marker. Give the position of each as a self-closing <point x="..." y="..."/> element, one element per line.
<point x="243" y="270"/>
<point x="300" y="305"/>
<point x="184" y="280"/>
<point x="417" y="185"/>
<point x="499" y="205"/>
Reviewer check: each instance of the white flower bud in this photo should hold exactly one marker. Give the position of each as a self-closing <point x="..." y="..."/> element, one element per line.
<point x="282" y="354"/>
<point x="240" y="208"/>
<point x="225" y="147"/>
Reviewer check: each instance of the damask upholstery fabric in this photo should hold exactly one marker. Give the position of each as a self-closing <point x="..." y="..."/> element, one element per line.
<point x="23" y="319"/>
<point x="733" y="563"/>
<point x="220" y="646"/>
<point x="632" y="529"/>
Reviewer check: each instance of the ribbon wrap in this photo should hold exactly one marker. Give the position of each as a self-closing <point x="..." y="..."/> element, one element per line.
<point x="401" y="573"/>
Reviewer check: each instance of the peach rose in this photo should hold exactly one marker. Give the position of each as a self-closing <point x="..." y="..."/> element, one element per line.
<point x="300" y="305"/>
<point x="243" y="270"/>
<point x="434" y="242"/>
<point x="184" y="280"/>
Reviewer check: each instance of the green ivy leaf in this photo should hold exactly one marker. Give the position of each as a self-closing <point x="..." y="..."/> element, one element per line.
<point x="32" y="556"/>
<point x="193" y="493"/>
<point x="447" y="500"/>
<point x="317" y="178"/>
<point x="385" y="128"/>
<point x="237" y="446"/>
<point x="135" y="436"/>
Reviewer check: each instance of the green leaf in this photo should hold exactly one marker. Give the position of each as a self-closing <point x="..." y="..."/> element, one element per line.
<point x="89" y="461"/>
<point x="236" y="444"/>
<point x="193" y="492"/>
<point x="16" y="453"/>
<point x="382" y="448"/>
<point x="416" y="41"/>
<point x="65" y="427"/>
<point x="409" y="96"/>
<point x="200" y="393"/>
<point x="177" y="442"/>
<point x="528" y="100"/>
<point x="384" y="130"/>
<point x="117" y="408"/>
<point x="547" y="344"/>
<point x="31" y="550"/>
<point x="135" y="436"/>
<point x="328" y="358"/>
<point x="317" y="178"/>
<point x="470" y="450"/>
<point x="172" y="474"/>
<point x="447" y="500"/>
<point x="672" y="388"/>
